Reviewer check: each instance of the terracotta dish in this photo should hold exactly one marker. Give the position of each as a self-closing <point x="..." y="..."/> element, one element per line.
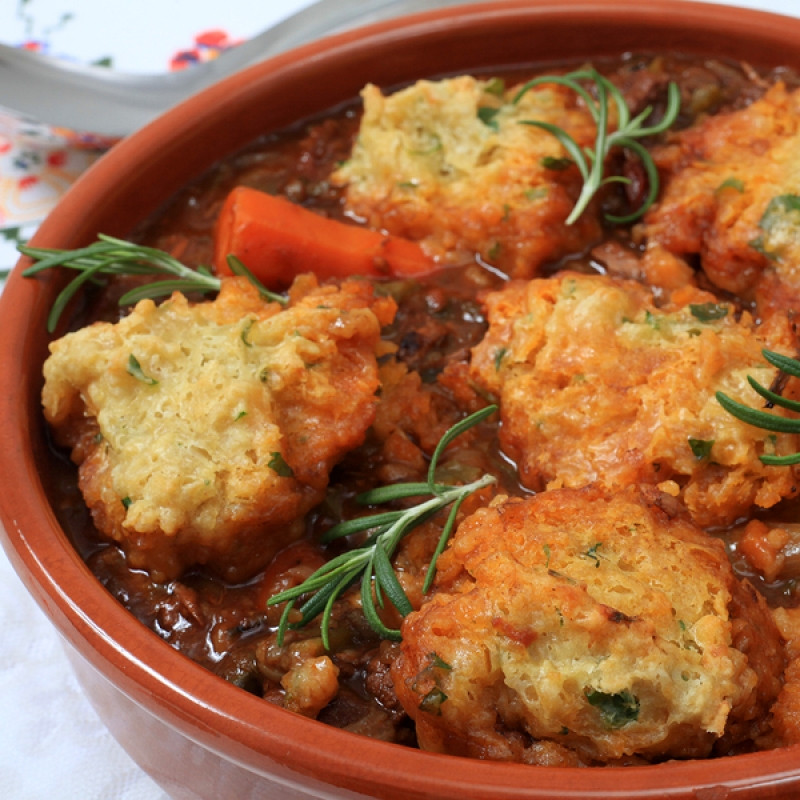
<point x="198" y="736"/>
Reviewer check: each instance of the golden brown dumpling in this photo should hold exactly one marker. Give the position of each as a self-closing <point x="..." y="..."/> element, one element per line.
<point x="598" y="382"/>
<point x="576" y="627"/>
<point x="449" y="163"/>
<point x="731" y="195"/>
<point x="204" y="432"/>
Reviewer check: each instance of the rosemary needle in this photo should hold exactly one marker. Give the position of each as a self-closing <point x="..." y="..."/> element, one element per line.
<point x="371" y="562"/>
<point x="591" y="162"/>
<point x="110" y="256"/>
<point x="762" y="419"/>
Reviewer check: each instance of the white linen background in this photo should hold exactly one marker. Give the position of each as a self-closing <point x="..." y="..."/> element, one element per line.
<point x="52" y="744"/>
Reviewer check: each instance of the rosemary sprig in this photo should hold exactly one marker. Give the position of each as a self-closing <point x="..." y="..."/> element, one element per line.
<point x="371" y="563"/>
<point x="110" y="256"/>
<point x="591" y="161"/>
<point x="762" y="419"/>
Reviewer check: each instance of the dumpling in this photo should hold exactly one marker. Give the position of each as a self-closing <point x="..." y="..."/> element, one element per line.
<point x="580" y="627"/>
<point x="204" y="432"/>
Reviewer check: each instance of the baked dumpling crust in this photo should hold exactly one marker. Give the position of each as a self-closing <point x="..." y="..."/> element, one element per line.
<point x="731" y="196"/>
<point x="575" y="626"/>
<point x="210" y="446"/>
<point x="448" y="163"/>
<point x="598" y="382"/>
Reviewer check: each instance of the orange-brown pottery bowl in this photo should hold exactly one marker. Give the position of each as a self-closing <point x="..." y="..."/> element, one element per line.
<point x="194" y="733"/>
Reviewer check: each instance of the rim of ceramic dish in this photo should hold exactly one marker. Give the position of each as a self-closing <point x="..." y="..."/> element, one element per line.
<point x="203" y="706"/>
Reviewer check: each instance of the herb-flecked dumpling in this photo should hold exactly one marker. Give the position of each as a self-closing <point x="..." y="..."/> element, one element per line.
<point x="731" y="198"/>
<point x="575" y="627"/>
<point x="451" y="164"/>
<point x="204" y="432"/>
<point x="604" y="380"/>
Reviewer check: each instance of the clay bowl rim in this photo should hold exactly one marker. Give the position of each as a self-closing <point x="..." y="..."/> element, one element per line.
<point x="185" y="695"/>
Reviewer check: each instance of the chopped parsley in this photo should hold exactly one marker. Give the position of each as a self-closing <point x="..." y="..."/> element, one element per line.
<point x="432" y="702"/>
<point x="495" y="86"/>
<point x="556" y="164"/>
<point x="248" y="324"/>
<point x="780" y="223"/>
<point x="135" y="369"/>
<point x="617" y="710"/>
<point x="487" y="115"/>
<point x="592" y="553"/>
<point x="730" y="183"/>
<point x="278" y="464"/>
<point x="701" y="448"/>
<point x="437" y="662"/>
<point x="708" y="312"/>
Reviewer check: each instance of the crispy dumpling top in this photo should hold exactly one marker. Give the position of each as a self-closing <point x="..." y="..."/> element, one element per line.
<point x="597" y="381"/>
<point x="731" y="196"/>
<point x="449" y="163"/>
<point x="205" y="431"/>
<point x="576" y="627"/>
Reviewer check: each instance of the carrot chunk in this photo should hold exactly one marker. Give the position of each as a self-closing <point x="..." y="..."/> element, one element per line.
<point x="277" y="240"/>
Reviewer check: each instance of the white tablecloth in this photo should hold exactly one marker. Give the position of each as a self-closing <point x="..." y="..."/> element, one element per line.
<point x="52" y="744"/>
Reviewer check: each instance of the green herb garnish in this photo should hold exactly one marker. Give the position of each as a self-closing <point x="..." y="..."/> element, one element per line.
<point x="487" y="114"/>
<point x="110" y="256"/>
<point x="591" y="161"/>
<point x="779" y="222"/>
<point x="730" y="183"/>
<point x="371" y="563"/>
<point x="432" y="702"/>
<point x="708" y="312"/>
<point x="556" y="164"/>
<point x="701" y="448"/>
<point x="763" y="419"/>
<point x="248" y="324"/>
<point x="495" y="86"/>
<point x="617" y="709"/>
<point x="135" y="369"/>
<point x="437" y="662"/>
<point x="778" y="209"/>
<point x="592" y="553"/>
<point x="277" y="463"/>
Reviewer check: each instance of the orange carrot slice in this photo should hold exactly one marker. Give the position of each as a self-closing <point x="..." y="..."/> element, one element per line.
<point x="277" y="240"/>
